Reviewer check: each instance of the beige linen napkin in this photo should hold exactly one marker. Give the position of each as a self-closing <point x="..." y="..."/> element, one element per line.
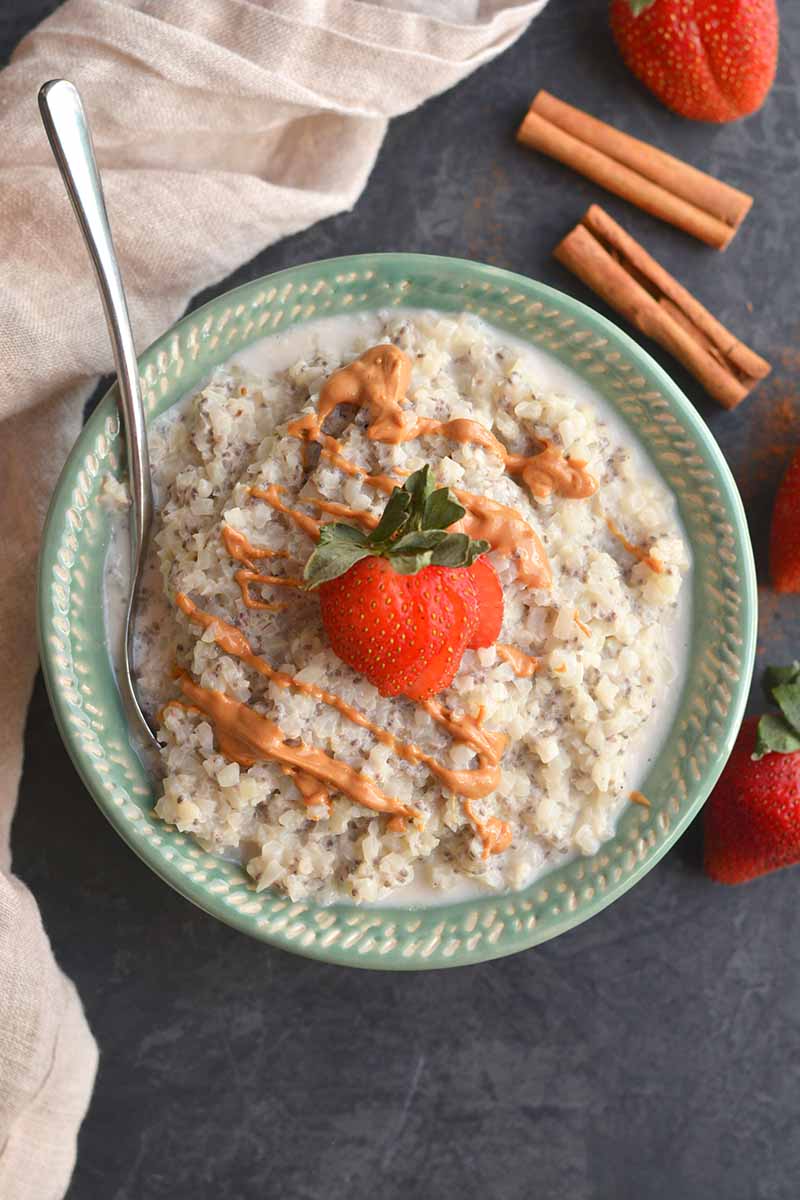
<point x="220" y="126"/>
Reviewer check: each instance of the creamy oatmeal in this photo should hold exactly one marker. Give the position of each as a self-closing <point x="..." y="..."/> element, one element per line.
<point x="276" y="751"/>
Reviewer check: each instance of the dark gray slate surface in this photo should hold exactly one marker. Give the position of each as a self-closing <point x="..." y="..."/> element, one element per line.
<point x="652" y="1053"/>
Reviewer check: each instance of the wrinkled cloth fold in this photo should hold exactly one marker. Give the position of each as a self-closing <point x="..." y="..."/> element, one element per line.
<point x="220" y="126"/>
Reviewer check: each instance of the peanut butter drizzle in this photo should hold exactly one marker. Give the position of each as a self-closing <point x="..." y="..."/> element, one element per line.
<point x="244" y="578"/>
<point x="508" y="533"/>
<point x="331" y="450"/>
<point x="190" y="708"/>
<point x="475" y="783"/>
<point x="313" y="792"/>
<point x="366" y="519"/>
<point x="522" y="664"/>
<point x="503" y="528"/>
<point x="308" y="524"/>
<point x="378" y="381"/>
<point x="242" y="550"/>
<point x="637" y="551"/>
<point x="245" y="736"/>
<point x="640" y="798"/>
<point x="272" y="495"/>
<point x="495" y="834"/>
<point x="463" y="430"/>
<point x="491" y="746"/>
<point x="290" y="581"/>
<point x="547" y="471"/>
<point x="583" y="628"/>
<point x="551" y="471"/>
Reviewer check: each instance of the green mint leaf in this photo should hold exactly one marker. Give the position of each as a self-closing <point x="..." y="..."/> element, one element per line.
<point x="418" y="542"/>
<point x="787" y="697"/>
<point x="394" y="519"/>
<point x="776" y="736"/>
<point x="441" y="510"/>
<point x="458" y="550"/>
<point x="773" y="676"/>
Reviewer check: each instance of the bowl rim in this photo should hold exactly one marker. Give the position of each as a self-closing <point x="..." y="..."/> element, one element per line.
<point x="512" y="941"/>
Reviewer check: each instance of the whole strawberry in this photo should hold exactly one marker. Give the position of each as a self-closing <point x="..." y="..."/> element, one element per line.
<point x="784" y="540"/>
<point x="401" y="604"/>
<point x="710" y="60"/>
<point x="752" y="820"/>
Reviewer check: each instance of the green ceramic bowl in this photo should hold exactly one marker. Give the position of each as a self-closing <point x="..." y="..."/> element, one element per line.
<point x="88" y="709"/>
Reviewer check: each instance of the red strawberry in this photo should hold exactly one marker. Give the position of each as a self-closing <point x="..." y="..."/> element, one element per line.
<point x="711" y="60"/>
<point x="490" y="604"/>
<point x="784" y="543"/>
<point x="752" y="821"/>
<point x="441" y="669"/>
<point x="385" y="625"/>
<point x="400" y="604"/>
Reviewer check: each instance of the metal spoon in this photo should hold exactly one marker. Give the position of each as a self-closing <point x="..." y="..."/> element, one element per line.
<point x="71" y="142"/>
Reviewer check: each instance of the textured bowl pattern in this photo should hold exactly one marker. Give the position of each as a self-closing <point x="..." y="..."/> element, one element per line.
<point x="86" y="703"/>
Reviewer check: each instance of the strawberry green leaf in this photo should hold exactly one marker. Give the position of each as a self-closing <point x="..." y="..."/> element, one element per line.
<point x="640" y="6"/>
<point x="434" y="547"/>
<point x="787" y="697"/>
<point x="419" y="486"/>
<point x="394" y="519"/>
<point x="441" y="510"/>
<point x="340" y="547"/>
<point x="410" y="564"/>
<point x="412" y="533"/>
<point x="773" y="676"/>
<point x="337" y="531"/>
<point x="776" y="736"/>
<point x="331" y="561"/>
<point x="458" y="550"/>
<point x="418" y="542"/>
<point x="416" y="550"/>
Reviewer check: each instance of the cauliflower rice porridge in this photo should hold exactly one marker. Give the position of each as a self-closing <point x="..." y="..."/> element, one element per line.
<point x="277" y="752"/>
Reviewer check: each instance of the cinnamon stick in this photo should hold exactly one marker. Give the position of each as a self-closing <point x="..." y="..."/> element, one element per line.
<point x="618" y="268"/>
<point x="664" y="186"/>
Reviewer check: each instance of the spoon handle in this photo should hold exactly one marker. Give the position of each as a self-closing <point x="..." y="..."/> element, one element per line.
<point x="71" y="141"/>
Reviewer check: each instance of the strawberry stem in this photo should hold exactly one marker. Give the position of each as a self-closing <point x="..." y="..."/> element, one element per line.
<point x="779" y="733"/>
<point x="412" y="533"/>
